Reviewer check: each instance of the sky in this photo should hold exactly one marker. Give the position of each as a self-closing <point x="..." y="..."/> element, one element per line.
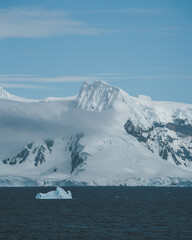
<point x="50" y="47"/>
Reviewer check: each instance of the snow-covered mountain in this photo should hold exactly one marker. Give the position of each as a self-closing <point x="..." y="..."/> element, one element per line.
<point x="103" y="136"/>
<point x="7" y="96"/>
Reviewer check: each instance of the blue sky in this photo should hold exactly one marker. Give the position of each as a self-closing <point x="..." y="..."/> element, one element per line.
<point x="49" y="47"/>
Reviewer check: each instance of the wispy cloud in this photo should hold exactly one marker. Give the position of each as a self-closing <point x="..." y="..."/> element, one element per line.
<point x="19" y="85"/>
<point x="164" y="30"/>
<point x="128" y="10"/>
<point x="26" y="23"/>
<point x="33" y="81"/>
<point x="40" y="23"/>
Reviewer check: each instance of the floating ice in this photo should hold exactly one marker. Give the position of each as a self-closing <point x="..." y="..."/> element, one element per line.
<point x="59" y="193"/>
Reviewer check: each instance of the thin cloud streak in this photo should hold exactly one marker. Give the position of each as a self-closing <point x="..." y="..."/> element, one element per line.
<point x="21" y="81"/>
<point x="24" y="23"/>
<point x="38" y="23"/>
<point x="19" y="85"/>
<point x="17" y="75"/>
<point x="128" y="10"/>
<point x="166" y="30"/>
<point x="48" y="79"/>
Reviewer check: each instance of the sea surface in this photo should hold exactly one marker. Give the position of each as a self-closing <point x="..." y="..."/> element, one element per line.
<point x="97" y="213"/>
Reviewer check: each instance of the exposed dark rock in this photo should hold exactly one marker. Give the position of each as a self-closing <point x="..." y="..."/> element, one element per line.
<point x="76" y="152"/>
<point x="171" y="126"/>
<point x="40" y="158"/>
<point x="163" y="153"/>
<point x="19" y="158"/>
<point x="160" y="125"/>
<point x="23" y="155"/>
<point x="175" y="159"/>
<point x="159" y="133"/>
<point x="184" y="153"/>
<point x="169" y="139"/>
<point x="49" y="143"/>
<point x="179" y="121"/>
<point x="180" y="127"/>
<point x="38" y="153"/>
<point x="30" y="145"/>
<point x="34" y="151"/>
<point x="136" y="131"/>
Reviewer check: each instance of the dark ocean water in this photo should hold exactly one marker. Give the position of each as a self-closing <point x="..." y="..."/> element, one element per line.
<point x="97" y="213"/>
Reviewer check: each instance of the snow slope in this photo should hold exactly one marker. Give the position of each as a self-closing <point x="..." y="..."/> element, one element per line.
<point x="5" y="95"/>
<point x="102" y="137"/>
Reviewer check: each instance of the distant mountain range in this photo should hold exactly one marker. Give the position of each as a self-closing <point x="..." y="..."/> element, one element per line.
<point x="102" y="136"/>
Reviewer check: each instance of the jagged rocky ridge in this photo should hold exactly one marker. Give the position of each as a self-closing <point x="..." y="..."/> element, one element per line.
<point x="138" y="142"/>
<point x="39" y="152"/>
<point x="170" y="141"/>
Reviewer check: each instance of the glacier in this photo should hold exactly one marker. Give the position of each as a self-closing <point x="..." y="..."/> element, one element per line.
<point x="103" y="136"/>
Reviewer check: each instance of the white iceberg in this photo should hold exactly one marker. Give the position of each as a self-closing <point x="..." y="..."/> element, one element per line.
<point x="59" y="193"/>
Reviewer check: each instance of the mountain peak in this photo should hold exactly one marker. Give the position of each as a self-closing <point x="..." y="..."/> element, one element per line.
<point x="96" y="96"/>
<point x="4" y="94"/>
<point x="7" y="96"/>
